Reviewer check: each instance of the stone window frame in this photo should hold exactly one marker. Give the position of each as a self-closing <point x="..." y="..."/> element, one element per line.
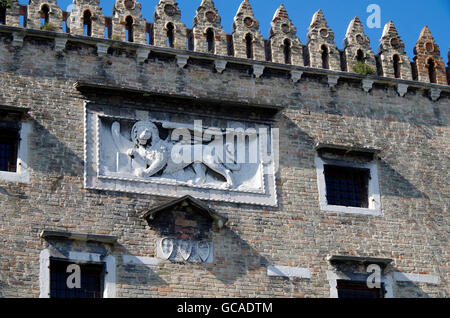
<point x="374" y="197"/>
<point x="22" y="174"/>
<point x="109" y="281"/>
<point x="334" y="276"/>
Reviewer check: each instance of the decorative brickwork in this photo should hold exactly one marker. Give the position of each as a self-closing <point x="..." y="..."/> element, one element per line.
<point x="12" y="13"/>
<point x="209" y="35"/>
<point x="127" y="19"/>
<point x="168" y="30"/>
<point x="284" y="43"/>
<point x="247" y="39"/>
<point x="322" y="51"/>
<point x="394" y="61"/>
<point x="357" y="47"/>
<point x="46" y="10"/>
<point x="430" y="67"/>
<point x="87" y="18"/>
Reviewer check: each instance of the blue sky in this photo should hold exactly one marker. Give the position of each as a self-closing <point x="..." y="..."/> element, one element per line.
<point x="409" y="16"/>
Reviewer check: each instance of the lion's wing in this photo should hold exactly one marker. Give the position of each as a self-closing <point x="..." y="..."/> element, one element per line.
<point x="121" y="142"/>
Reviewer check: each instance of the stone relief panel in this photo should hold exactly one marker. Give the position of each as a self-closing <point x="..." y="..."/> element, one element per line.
<point x="137" y="151"/>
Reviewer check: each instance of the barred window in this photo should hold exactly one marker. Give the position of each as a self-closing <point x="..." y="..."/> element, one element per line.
<point x="347" y="186"/>
<point x="2" y="14"/>
<point x="92" y="276"/>
<point x="353" y="289"/>
<point x="9" y="144"/>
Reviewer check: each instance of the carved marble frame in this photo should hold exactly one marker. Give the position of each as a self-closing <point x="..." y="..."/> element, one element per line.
<point x="267" y="196"/>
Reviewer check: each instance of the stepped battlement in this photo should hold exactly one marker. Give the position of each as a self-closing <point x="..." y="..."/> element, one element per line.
<point x="246" y="41"/>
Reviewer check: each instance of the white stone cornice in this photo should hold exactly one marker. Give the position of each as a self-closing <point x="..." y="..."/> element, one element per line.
<point x="142" y="54"/>
<point x="102" y="48"/>
<point x="220" y="65"/>
<point x="435" y="93"/>
<point x="417" y="278"/>
<point x="258" y="70"/>
<point x="291" y="272"/>
<point x="17" y="39"/>
<point x="296" y="75"/>
<point x="182" y="60"/>
<point x="60" y="44"/>
<point x="367" y="84"/>
<point x="402" y="89"/>
<point x="333" y="80"/>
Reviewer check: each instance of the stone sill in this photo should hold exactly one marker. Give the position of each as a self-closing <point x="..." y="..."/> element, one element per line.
<point x="333" y="76"/>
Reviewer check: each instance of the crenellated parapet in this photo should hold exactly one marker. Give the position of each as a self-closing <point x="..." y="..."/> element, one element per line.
<point x="209" y="36"/>
<point x="246" y="41"/>
<point x="128" y="23"/>
<point x="322" y="50"/>
<point x="87" y="19"/>
<point x="394" y="61"/>
<point x="284" y="44"/>
<point x="430" y="66"/>
<point x="357" y="47"/>
<point x="168" y="30"/>
<point x="44" y="14"/>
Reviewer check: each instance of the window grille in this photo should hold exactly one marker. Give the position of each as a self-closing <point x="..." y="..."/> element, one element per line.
<point x="347" y="186"/>
<point x="352" y="289"/>
<point x="92" y="276"/>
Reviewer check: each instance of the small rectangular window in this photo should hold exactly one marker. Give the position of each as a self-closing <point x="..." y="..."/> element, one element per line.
<point x="2" y="14"/>
<point x="9" y="144"/>
<point x="92" y="277"/>
<point x="346" y="186"/>
<point x="353" y="289"/>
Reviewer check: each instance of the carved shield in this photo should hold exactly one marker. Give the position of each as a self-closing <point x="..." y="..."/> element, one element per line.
<point x="203" y="250"/>
<point x="166" y="247"/>
<point x="185" y="249"/>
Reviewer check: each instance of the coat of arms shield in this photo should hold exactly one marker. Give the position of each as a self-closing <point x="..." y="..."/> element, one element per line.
<point x="185" y="249"/>
<point x="203" y="250"/>
<point x="166" y="247"/>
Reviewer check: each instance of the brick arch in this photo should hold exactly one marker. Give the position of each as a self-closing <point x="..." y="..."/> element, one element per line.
<point x="48" y="6"/>
<point x="129" y="16"/>
<point x="90" y="11"/>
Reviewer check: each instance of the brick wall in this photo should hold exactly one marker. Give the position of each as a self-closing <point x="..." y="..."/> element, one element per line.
<point x="411" y="132"/>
